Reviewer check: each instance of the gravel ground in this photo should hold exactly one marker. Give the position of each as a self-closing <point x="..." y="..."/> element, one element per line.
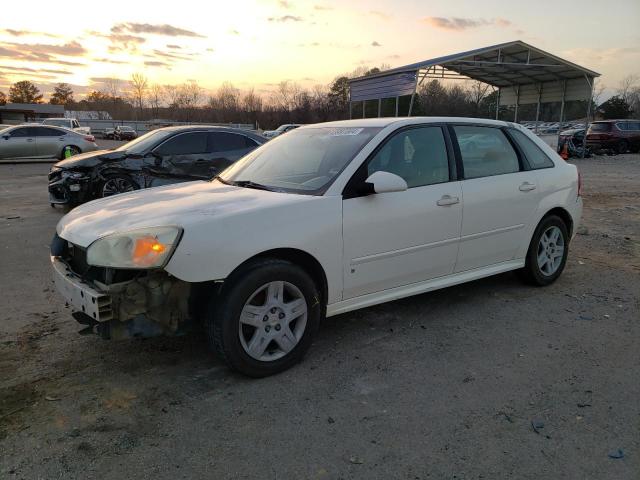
<point x="442" y="385"/>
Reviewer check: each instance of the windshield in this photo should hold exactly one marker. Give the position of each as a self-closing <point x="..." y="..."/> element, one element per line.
<point x="305" y="160"/>
<point x="145" y="142"/>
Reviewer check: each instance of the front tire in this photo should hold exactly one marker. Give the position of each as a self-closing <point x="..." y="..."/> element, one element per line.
<point x="113" y="184"/>
<point x="622" y="147"/>
<point x="264" y="319"/>
<point x="548" y="251"/>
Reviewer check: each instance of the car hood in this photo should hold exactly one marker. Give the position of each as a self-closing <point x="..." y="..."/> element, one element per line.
<point x="90" y="159"/>
<point x="181" y="204"/>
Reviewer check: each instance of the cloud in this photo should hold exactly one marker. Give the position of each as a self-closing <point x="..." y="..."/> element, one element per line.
<point x="210" y="50"/>
<point x="458" y="23"/>
<point x="381" y="15"/>
<point x="166" y="30"/>
<point x="25" y="33"/>
<point x="109" y="60"/>
<point x="375" y="44"/>
<point x="284" y="4"/>
<point x="286" y="18"/>
<point x="105" y="80"/>
<point x="234" y="32"/>
<point x="322" y="8"/>
<point x="173" y="46"/>
<point x="173" y="56"/>
<point x="27" y="70"/>
<point x="156" y="63"/>
<point x="68" y="49"/>
<point x="41" y="53"/>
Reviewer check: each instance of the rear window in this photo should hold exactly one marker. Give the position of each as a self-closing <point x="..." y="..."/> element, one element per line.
<point x="600" y="127"/>
<point x="535" y="156"/>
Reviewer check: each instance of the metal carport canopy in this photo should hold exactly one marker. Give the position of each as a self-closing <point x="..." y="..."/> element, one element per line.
<point x="523" y="74"/>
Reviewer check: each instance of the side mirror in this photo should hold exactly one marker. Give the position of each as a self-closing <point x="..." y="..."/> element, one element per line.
<point x="6" y="137"/>
<point x="384" y="182"/>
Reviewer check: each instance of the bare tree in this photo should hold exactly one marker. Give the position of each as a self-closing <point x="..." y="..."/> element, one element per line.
<point x="228" y="100"/>
<point x="156" y="98"/>
<point x="139" y="85"/>
<point x="190" y="96"/>
<point x="477" y="92"/>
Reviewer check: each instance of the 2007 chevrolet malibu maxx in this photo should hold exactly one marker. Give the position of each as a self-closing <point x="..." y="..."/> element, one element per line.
<point x="324" y="220"/>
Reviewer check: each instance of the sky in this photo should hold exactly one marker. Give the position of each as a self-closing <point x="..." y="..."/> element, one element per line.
<point x="258" y="43"/>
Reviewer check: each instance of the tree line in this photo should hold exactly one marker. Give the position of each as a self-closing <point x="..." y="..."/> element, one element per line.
<point x="140" y="99"/>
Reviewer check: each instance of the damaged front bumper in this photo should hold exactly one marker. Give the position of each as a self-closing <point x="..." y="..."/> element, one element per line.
<point x="68" y="187"/>
<point x="149" y="304"/>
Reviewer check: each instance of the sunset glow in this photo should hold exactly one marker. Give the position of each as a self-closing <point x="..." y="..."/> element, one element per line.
<point x="258" y="43"/>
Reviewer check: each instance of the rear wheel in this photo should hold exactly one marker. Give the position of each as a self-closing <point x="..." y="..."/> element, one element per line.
<point x="547" y="254"/>
<point x="72" y="148"/>
<point x="265" y="317"/>
<point x="622" y="147"/>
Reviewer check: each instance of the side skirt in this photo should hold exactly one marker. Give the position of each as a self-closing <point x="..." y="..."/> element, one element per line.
<point x="421" y="287"/>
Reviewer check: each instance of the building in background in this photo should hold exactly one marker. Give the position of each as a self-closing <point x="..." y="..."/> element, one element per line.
<point x="17" y="113"/>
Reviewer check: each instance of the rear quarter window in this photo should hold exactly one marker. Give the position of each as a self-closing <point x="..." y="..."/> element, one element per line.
<point x="534" y="154"/>
<point x="600" y="127"/>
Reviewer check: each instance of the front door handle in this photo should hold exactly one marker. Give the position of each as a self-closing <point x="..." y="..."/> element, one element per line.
<point x="527" y="187"/>
<point x="447" y="200"/>
<point x="29" y="139"/>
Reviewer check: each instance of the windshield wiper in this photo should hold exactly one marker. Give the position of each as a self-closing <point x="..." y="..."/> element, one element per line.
<point x="250" y="184"/>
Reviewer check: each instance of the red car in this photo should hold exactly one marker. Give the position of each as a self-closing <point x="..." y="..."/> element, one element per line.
<point x="618" y="135"/>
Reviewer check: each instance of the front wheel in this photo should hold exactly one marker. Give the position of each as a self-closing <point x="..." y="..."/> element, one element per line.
<point x="115" y="184"/>
<point x="548" y="251"/>
<point x="264" y="319"/>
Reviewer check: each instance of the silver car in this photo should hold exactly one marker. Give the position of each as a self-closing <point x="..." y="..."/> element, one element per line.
<point x="37" y="141"/>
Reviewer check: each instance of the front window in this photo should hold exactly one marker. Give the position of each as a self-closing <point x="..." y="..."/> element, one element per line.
<point x="304" y="161"/>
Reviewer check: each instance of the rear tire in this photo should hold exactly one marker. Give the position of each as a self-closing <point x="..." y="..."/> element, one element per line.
<point x="256" y="330"/>
<point x="547" y="254"/>
<point x="622" y="147"/>
<point x="74" y="151"/>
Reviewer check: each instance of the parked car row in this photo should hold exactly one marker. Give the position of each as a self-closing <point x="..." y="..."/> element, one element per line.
<point x="326" y="219"/>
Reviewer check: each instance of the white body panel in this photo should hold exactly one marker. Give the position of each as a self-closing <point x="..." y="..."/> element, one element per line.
<point x="372" y="249"/>
<point x="398" y="238"/>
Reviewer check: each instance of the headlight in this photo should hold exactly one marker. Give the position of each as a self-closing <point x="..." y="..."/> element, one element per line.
<point x="144" y="248"/>
<point x="69" y="174"/>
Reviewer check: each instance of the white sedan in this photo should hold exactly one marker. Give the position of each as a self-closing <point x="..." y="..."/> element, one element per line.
<point x="327" y="219"/>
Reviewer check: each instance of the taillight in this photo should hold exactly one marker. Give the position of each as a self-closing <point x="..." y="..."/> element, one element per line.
<point x="90" y="138"/>
<point x="579" y="184"/>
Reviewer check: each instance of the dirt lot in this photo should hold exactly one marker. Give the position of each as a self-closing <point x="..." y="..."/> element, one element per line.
<point x="443" y="385"/>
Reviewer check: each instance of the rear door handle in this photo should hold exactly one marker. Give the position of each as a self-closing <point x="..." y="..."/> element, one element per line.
<point x="447" y="200"/>
<point x="527" y="187"/>
<point x="29" y="139"/>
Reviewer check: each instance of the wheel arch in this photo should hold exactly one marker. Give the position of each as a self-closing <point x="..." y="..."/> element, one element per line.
<point x="564" y="215"/>
<point x="68" y="145"/>
<point x="303" y="259"/>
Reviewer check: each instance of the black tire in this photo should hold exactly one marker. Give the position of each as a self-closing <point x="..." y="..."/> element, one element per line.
<point x="531" y="272"/>
<point x="74" y="151"/>
<point x="222" y="318"/>
<point x="622" y="147"/>
<point x="122" y="183"/>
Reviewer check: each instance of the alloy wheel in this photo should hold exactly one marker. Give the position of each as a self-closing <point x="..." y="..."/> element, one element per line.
<point x="115" y="185"/>
<point x="550" y="251"/>
<point x="273" y="321"/>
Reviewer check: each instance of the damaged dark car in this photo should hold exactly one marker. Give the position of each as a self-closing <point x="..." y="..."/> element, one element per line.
<point x="161" y="157"/>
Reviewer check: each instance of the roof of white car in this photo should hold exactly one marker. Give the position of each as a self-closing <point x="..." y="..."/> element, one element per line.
<point x="386" y="121"/>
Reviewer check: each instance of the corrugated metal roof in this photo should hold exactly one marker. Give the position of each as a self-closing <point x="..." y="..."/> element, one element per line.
<point x="502" y="65"/>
